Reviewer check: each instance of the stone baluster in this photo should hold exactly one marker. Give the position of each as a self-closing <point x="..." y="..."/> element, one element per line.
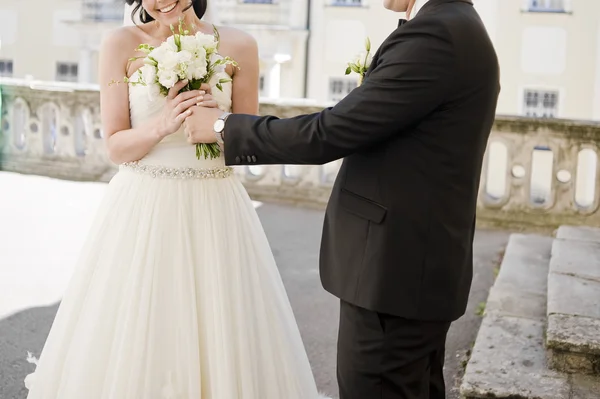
<point x="55" y="130"/>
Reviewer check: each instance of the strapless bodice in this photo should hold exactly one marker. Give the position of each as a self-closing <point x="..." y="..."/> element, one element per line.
<point x="174" y="150"/>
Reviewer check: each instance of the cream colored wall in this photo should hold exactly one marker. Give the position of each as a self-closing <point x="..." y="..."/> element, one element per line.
<point x="337" y="36"/>
<point x="41" y="39"/>
<point x="516" y="32"/>
<point x="34" y="37"/>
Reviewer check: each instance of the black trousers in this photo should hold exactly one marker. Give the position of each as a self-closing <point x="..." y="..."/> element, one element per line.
<point x="388" y="357"/>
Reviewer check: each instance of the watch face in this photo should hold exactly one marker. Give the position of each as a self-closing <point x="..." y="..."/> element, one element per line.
<point x="219" y="125"/>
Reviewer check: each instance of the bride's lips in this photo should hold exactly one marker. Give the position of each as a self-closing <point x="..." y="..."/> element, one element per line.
<point x="168" y="8"/>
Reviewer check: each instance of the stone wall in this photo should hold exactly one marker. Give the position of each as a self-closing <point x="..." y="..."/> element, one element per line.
<point x="538" y="174"/>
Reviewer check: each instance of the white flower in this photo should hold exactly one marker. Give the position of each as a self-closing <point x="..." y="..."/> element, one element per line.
<point x="170" y="61"/>
<point x="167" y="77"/>
<point x="197" y="69"/>
<point x="170" y="43"/>
<point x="166" y="56"/>
<point x="207" y="41"/>
<point x="184" y="56"/>
<point x="191" y="45"/>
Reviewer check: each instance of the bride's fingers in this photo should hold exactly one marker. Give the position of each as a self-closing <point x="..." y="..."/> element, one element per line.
<point x="204" y="98"/>
<point x="174" y="91"/>
<point x="208" y="104"/>
<point x="181" y="117"/>
<point x="206" y="87"/>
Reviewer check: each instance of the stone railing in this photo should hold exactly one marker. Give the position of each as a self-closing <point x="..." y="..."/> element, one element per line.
<point x="537" y="173"/>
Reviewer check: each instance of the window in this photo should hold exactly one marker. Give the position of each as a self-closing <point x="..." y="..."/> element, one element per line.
<point x="547" y="5"/>
<point x="340" y="87"/>
<point x="540" y="103"/>
<point x="66" y="71"/>
<point x="347" y="3"/>
<point x="6" y="68"/>
<point x="102" y="10"/>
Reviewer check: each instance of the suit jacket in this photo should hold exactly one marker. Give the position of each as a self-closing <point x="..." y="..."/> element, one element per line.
<point x="399" y="225"/>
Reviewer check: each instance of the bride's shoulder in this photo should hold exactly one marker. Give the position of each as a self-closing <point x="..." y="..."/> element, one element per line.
<point x="120" y="40"/>
<point x="235" y="42"/>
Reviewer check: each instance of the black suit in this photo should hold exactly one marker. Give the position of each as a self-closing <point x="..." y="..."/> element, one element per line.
<point x="397" y="240"/>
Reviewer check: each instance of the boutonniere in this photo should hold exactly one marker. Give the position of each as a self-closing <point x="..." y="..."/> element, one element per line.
<point x="362" y="62"/>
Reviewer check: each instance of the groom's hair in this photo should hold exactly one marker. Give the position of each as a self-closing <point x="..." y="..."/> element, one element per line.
<point x="199" y="9"/>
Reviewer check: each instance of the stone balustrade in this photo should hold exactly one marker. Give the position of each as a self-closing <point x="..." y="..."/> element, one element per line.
<point x="538" y="174"/>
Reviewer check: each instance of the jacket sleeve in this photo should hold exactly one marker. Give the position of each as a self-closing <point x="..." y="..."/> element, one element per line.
<point x="411" y="79"/>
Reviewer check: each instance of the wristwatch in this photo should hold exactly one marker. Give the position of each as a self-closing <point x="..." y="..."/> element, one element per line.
<point x="219" y="127"/>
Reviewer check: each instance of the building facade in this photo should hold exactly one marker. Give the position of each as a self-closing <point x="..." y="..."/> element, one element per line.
<point x="54" y="40"/>
<point x="549" y="53"/>
<point x="549" y="50"/>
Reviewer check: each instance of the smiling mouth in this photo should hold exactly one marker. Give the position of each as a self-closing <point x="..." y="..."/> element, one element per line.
<point x="168" y="8"/>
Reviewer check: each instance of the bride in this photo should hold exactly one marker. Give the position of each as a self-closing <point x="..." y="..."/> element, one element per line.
<point x="176" y="294"/>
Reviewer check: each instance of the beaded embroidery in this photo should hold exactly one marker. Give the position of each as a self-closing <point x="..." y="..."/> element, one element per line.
<point x="177" y="173"/>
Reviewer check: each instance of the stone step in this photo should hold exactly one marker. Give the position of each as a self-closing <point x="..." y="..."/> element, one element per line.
<point x="573" y="334"/>
<point x="509" y="359"/>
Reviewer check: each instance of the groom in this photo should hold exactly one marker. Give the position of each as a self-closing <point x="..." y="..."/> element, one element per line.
<point x="398" y="233"/>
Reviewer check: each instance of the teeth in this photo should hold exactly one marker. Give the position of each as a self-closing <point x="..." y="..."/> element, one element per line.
<point x="170" y="8"/>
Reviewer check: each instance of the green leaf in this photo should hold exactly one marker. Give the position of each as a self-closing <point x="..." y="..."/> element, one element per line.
<point x="348" y="70"/>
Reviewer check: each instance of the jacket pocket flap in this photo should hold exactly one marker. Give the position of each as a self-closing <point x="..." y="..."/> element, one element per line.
<point x="361" y="206"/>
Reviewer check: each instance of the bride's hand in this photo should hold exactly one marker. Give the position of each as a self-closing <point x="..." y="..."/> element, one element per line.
<point x="207" y="100"/>
<point x="177" y="108"/>
<point x="192" y="120"/>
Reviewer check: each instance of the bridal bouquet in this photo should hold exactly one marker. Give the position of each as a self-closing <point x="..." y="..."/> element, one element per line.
<point x="183" y="56"/>
<point x="362" y="63"/>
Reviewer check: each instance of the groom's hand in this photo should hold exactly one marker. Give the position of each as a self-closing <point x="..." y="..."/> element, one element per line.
<point x="199" y="125"/>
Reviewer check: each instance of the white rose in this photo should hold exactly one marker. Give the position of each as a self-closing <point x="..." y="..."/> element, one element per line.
<point x="167" y="78"/>
<point x="159" y="52"/>
<point x="184" y="57"/>
<point x="170" y="43"/>
<point x="166" y="56"/>
<point x="189" y="43"/>
<point x="207" y="41"/>
<point x="170" y="61"/>
<point x="197" y="70"/>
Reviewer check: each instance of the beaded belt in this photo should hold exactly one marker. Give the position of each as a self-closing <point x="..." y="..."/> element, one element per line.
<point x="177" y="173"/>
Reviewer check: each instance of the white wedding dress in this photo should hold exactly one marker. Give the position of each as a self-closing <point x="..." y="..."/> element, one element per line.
<point x="176" y="294"/>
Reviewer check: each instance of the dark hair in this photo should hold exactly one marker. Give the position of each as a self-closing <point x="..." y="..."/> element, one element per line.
<point x="199" y="9"/>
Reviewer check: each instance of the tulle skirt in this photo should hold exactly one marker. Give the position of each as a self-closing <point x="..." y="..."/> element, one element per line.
<point x="176" y="295"/>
